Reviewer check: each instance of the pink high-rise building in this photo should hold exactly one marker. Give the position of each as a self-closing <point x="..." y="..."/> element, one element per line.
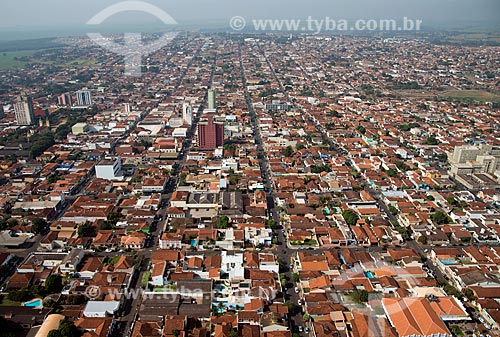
<point x="210" y="135"/>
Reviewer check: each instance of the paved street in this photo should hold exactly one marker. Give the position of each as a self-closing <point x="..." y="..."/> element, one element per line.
<point x="282" y="252"/>
<point x="162" y="224"/>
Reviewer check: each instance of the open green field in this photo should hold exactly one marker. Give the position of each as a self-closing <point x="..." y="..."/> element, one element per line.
<point x="7" y="302"/>
<point x="8" y="59"/>
<point x="486" y="38"/>
<point x="11" y="60"/>
<point x="476" y="95"/>
<point x="473" y="95"/>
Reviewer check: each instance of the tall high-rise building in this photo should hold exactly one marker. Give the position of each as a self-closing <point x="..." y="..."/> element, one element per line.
<point x="187" y="114"/>
<point x="126" y="107"/>
<point x="210" y="135"/>
<point x="212" y="95"/>
<point x="64" y="99"/>
<point x="83" y="98"/>
<point x="24" y="110"/>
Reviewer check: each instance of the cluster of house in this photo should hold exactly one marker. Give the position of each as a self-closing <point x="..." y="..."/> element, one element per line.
<point x="401" y="300"/>
<point x="354" y="163"/>
<point x="112" y="276"/>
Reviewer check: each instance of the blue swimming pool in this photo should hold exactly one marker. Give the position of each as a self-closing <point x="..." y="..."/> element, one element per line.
<point x="369" y="274"/>
<point x="193" y="243"/>
<point x="447" y="263"/>
<point x="220" y="287"/>
<point x="33" y="303"/>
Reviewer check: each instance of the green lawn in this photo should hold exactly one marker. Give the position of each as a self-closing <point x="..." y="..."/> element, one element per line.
<point x="80" y="63"/>
<point x="8" y="59"/>
<point x="475" y="95"/>
<point x="165" y="289"/>
<point x="7" y="302"/>
<point x="113" y="260"/>
<point x="145" y="279"/>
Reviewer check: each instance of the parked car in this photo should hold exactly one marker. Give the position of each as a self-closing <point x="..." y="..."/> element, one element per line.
<point x="301" y="329"/>
<point x="297" y="290"/>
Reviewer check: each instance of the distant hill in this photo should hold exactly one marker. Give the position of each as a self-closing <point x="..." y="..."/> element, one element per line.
<point x="33" y="44"/>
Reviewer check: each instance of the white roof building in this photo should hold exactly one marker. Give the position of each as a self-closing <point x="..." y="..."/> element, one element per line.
<point x="100" y="308"/>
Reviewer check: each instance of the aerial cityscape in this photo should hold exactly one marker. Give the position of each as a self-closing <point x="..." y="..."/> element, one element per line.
<point x="255" y="184"/>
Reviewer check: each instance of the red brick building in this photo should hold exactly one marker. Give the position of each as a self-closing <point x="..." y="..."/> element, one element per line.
<point x="210" y="135"/>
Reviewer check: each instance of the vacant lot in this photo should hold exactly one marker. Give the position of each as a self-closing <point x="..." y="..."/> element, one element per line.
<point x="11" y="59"/>
<point x="474" y="95"/>
<point x="19" y="59"/>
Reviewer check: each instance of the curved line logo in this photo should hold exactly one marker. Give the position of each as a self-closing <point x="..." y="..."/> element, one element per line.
<point x="133" y="49"/>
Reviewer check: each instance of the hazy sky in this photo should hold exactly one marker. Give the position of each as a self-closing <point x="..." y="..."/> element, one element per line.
<point x="24" y="15"/>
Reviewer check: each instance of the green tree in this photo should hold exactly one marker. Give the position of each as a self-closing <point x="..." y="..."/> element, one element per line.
<point x="452" y="201"/>
<point x="432" y="141"/>
<point x="106" y="225"/>
<point x="408" y="127"/>
<point x="360" y="296"/>
<point x="323" y="199"/>
<point x="54" y="283"/>
<point x="86" y="230"/>
<point x="288" y="151"/>
<point x="452" y="291"/>
<point x="394" y="211"/>
<point x="182" y="179"/>
<point x="40" y="143"/>
<point x="230" y="148"/>
<point x="319" y="169"/>
<point x="49" y="303"/>
<point x="350" y="217"/>
<point x="176" y="332"/>
<point x="222" y="222"/>
<point x="55" y="333"/>
<point x="62" y="131"/>
<point x="75" y="300"/>
<point x="271" y="224"/>
<point x="12" y="222"/>
<point x="68" y="329"/>
<point x="38" y="225"/>
<point x="392" y="173"/>
<point x="422" y="239"/>
<point x="233" y="332"/>
<point x="291" y="307"/>
<point x="456" y="330"/>
<point x="440" y="218"/>
<point x="402" y="166"/>
<point x="470" y="294"/>
<point x="115" y="216"/>
<point x="20" y="295"/>
<point x="295" y="277"/>
<point x="404" y="231"/>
